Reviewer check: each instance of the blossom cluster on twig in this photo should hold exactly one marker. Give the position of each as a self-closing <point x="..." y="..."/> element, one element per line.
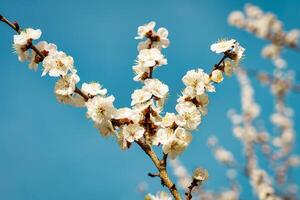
<point x="144" y="122"/>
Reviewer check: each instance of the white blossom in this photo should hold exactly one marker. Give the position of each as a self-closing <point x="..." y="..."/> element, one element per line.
<point x="26" y="35"/>
<point x="93" y="89"/>
<point x="140" y="96"/>
<point x="105" y="127"/>
<point x="145" y="29"/>
<point x="189" y="115"/>
<point x="100" y="108"/>
<point x="127" y="114"/>
<point x="159" y="196"/>
<point x="177" y="143"/>
<point x="198" y="81"/>
<point x="156" y="87"/>
<point x="151" y="58"/>
<point x="163" y="41"/>
<point x="58" y="64"/>
<point x="223" y="46"/>
<point x="66" y="85"/>
<point x="141" y="72"/>
<point x="132" y="132"/>
<point x="168" y="120"/>
<point x="217" y="76"/>
<point x="46" y="49"/>
<point x="162" y="136"/>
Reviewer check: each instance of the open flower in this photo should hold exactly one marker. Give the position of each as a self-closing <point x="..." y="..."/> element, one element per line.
<point x="93" y="89"/>
<point x="66" y="85"/>
<point x="151" y="58"/>
<point x="100" y="108"/>
<point x="145" y="29"/>
<point x="58" y="64"/>
<point x="132" y="132"/>
<point x="157" y="88"/>
<point x="168" y="120"/>
<point x="26" y="35"/>
<point x="222" y="46"/>
<point x="163" y="41"/>
<point x="162" y="136"/>
<point x="177" y="143"/>
<point x="140" y="96"/>
<point x="127" y="115"/>
<point x="198" y="81"/>
<point x="189" y="115"/>
<point x="141" y="72"/>
<point x="21" y="42"/>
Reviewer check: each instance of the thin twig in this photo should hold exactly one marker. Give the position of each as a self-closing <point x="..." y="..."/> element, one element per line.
<point x="165" y="180"/>
<point x="188" y="193"/>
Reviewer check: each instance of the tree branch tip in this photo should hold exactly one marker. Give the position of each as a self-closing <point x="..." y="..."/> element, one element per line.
<point x="17" y="26"/>
<point x="153" y="175"/>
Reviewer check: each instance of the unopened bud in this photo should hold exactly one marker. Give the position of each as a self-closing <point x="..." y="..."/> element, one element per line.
<point x="200" y="174"/>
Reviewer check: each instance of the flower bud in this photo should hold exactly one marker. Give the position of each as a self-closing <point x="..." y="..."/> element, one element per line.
<point x="217" y="76"/>
<point x="200" y="174"/>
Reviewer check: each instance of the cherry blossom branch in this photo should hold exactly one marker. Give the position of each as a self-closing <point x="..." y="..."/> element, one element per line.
<point x="16" y="27"/>
<point x="142" y="124"/>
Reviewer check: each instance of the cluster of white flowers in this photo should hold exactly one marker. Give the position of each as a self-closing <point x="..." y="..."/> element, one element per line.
<point x="267" y="26"/>
<point x="145" y="122"/>
<point x="55" y="63"/>
<point x="172" y="131"/>
<point x="58" y="64"/>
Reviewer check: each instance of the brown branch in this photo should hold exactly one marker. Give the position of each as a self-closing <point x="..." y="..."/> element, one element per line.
<point x="188" y="193"/>
<point x="15" y="26"/>
<point x="153" y="175"/>
<point x="162" y="171"/>
<point x="218" y="65"/>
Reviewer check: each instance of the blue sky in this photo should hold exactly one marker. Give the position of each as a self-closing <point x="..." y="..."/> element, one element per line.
<point x="51" y="151"/>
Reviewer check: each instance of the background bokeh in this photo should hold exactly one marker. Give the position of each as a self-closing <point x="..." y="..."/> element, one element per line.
<point x="50" y="151"/>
